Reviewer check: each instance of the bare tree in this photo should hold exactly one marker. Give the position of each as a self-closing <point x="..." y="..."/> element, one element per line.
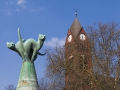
<point x="43" y="84"/>
<point x="56" y="68"/>
<point x="10" y="87"/>
<point x="105" y="53"/>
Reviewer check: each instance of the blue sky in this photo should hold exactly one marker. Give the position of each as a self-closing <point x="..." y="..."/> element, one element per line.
<point x="50" y="17"/>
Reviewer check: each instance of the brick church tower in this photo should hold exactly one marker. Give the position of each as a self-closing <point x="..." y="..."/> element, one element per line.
<point x="78" y="58"/>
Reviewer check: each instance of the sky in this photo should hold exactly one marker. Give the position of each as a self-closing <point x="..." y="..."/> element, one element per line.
<point x="50" y="17"/>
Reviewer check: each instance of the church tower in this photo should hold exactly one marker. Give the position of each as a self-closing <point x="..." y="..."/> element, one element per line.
<point x="78" y="57"/>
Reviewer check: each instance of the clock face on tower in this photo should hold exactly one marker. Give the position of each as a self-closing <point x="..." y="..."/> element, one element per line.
<point x="82" y="37"/>
<point x="69" y="38"/>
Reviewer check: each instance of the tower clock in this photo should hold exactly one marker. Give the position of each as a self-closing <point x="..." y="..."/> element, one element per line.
<point x="69" y="38"/>
<point x="82" y="37"/>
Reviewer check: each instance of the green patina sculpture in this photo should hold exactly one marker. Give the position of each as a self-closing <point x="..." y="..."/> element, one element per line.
<point x="27" y="49"/>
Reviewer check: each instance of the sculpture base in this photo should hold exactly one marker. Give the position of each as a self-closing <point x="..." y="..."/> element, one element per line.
<point x="28" y="78"/>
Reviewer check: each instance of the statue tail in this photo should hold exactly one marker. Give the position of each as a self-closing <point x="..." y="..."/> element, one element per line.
<point x="20" y="39"/>
<point x="41" y="54"/>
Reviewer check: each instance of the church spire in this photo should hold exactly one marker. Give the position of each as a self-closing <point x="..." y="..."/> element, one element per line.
<point x="76" y="27"/>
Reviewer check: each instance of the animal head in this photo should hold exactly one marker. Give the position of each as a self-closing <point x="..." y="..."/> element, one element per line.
<point x="10" y="45"/>
<point x="42" y="37"/>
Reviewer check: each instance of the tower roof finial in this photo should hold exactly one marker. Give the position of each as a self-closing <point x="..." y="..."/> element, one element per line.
<point x="76" y="13"/>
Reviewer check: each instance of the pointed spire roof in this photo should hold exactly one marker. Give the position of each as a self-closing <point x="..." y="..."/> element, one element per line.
<point x="76" y="27"/>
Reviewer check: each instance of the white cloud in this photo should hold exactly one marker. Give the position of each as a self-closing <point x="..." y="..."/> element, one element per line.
<point x="21" y="2"/>
<point x="7" y="11"/>
<point x="55" y="41"/>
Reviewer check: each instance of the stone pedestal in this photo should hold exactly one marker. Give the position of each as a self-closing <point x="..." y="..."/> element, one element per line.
<point x="28" y="78"/>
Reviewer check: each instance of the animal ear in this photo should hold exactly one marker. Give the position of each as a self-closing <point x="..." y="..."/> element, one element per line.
<point x="39" y="35"/>
<point x="7" y="43"/>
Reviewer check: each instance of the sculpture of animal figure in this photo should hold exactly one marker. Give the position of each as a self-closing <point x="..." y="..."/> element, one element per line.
<point x="31" y="46"/>
<point x="27" y="49"/>
<point x="17" y="48"/>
